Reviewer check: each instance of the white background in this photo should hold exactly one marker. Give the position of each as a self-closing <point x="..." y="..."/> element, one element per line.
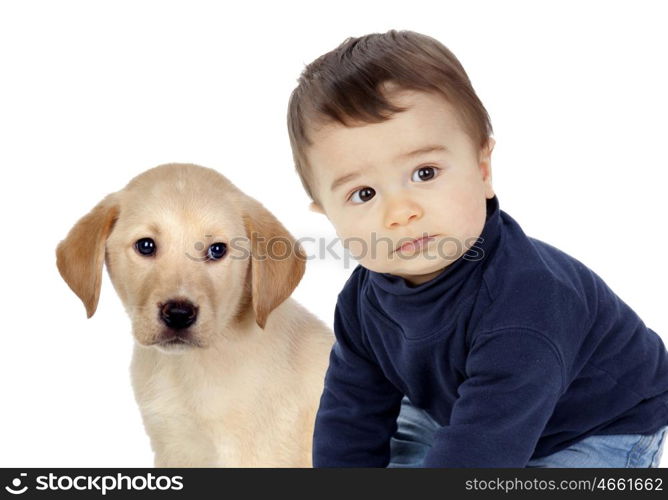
<point x="93" y="93"/>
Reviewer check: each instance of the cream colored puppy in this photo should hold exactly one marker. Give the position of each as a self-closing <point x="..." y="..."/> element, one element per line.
<point x="227" y="369"/>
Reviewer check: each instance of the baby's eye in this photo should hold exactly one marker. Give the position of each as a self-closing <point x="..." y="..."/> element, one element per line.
<point x="424" y="174"/>
<point x="362" y="195"/>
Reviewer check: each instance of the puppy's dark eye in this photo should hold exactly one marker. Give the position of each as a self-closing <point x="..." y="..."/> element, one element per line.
<point x="216" y="251"/>
<point x="145" y="246"/>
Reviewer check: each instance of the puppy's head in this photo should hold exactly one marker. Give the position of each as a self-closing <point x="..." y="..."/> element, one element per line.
<point x="188" y="254"/>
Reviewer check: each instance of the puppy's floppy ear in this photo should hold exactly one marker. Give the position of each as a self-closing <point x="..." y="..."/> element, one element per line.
<point x="277" y="260"/>
<point x="80" y="256"/>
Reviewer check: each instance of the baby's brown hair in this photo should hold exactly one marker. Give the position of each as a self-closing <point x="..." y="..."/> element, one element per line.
<point x="344" y="85"/>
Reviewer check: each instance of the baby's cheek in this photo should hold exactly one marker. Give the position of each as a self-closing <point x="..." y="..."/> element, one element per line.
<point x="355" y="245"/>
<point x="467" y="216"/>
<point x="448" y="249"/>
<point x="476" y="221"/>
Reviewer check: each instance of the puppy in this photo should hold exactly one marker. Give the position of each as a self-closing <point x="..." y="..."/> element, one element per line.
<point x="227" y="369"/>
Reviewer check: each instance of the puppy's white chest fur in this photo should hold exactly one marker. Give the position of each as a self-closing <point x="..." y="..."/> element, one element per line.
<point x="222" y="406"/>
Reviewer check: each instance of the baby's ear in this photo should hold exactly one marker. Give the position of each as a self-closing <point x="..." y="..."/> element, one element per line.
<point x="490" y="145"/>
<point x="485" y="152"/>
<point x="314" y="207"/>
<point x="485" y="165"/>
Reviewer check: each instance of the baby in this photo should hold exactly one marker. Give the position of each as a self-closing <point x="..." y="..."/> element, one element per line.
<point x="515" y="353"/>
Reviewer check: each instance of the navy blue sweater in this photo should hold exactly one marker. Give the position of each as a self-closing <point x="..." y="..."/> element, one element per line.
<point x="517" y="349"/>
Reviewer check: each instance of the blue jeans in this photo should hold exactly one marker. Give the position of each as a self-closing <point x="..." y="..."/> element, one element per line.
<point x="413" y="438"/>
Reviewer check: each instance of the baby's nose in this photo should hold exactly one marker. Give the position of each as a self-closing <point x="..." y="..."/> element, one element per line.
<point x="401" y="212"/>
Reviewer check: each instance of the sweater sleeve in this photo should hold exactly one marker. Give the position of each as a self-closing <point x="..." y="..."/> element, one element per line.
<point x="514" y="379"/>
<point x="358" y="408"/>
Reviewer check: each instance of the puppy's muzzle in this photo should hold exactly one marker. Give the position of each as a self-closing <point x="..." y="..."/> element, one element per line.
<point x="178" y="314"/>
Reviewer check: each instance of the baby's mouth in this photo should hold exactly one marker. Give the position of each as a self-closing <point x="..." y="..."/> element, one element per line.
<point x="416" y="244"/>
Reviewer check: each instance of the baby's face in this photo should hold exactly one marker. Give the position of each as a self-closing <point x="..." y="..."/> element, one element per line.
<point x="415" y="175"/>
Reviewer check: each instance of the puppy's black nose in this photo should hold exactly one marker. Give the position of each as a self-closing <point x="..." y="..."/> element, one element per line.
<point x="178" y="314"/>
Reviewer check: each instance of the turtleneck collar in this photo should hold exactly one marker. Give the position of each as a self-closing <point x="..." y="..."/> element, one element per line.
<point x="409" y="305"/>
